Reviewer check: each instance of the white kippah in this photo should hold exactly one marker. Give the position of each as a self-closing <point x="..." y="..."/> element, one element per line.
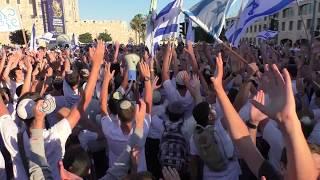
<point x="25" y="109"/>
<point x="125" y="104"/>
<point x="49" y="104"/>
<point x="117" y="95"/>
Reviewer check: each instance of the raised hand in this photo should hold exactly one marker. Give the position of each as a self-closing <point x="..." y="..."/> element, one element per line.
<point x="97" y="54"/>
<point x="282" y="104"/>
<point x="189" y="48"/>
<point x="140" y="113"/>
<point x="218" y="75"/>
<point x="144" y="70"/>
<point x="108" y="75"/>
<point x="155" y="82"/>
<point x="255" y="114"/>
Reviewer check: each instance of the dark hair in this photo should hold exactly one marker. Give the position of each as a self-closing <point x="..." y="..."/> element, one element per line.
<point x="125" y="115"/>
<point x="19" y="90"/>
<point x="113" y="105"/>
<point x="140" y="176"/>
<point x="77" y="161"/>
<point x="293" y="70"/>
<point x="173" y="117"/>
<point x="201" y="113"/>
<point x="73" y="78"/>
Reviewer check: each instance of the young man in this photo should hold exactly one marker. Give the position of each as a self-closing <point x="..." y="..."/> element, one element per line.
<point x="118" y="132"/>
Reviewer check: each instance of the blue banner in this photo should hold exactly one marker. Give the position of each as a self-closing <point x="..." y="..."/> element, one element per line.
<point x="55" y="17"/>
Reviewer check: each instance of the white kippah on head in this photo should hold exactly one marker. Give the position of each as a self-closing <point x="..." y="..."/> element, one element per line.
<point x="125" y="104"/>
<point x="25" y="109"/>
<point x="49" y="104"/>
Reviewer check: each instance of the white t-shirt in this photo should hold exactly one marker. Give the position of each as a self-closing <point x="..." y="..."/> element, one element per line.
<point x="71" y="96"/>
<point x="274" y="137"/>
<point x="117" y="141"/>
<point x="173" y="95"/>
<point x="54" y="142"/>
<point x="233" y="170"/>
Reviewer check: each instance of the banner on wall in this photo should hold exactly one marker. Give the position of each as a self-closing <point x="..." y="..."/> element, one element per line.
<point x="9" y="19"/>
<point x="55" y="17"/>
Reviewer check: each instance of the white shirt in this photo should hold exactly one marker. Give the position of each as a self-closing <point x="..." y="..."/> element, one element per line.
<point x="54" y="142"/>
<point x="71" y="96"/>
<point x="117" y="141"/>
<point x="173" y="95"/>
<point x="233" y="170"/>
<point x="274" y="137"/>
<point x="13" y="87"/>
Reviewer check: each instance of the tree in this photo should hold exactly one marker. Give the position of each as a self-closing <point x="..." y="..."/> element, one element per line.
<point x="138" y="24"/>
<point x="85" y="38"/>
<point x="105" y="37"/>
<point x="16" y="37"/>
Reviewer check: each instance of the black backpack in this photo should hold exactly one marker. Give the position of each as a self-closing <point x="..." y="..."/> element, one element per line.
<point x="173" y="146"/>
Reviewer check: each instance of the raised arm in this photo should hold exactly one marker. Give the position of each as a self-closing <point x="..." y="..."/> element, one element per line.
<point x="282" y="108"/>
<point x="27" y="80"/>
<point x="145" y="72"/>
<point x="97" y="59"/>
<point x="3" y="60"/>
<point x="166" y="64"/>
<point x="238" y="130"/>
<point x="116" y="52"/>
<point x="105" y="87"/>
<point x="189" y="50"/>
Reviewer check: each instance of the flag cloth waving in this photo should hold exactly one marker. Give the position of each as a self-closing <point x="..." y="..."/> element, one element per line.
<point x="268" y="34"/>
<point x="254" y="10"/>
<point x="150" y="25"/>
<point x="166" y="23"/>
<point x="210" y="15"/>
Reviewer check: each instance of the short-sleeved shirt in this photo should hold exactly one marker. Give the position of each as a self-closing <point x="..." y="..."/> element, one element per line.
<point x="173" y="95"/>
<point x="274" y="137"/>
<point x="54" y="142"/>
<point x="117" y="140"/>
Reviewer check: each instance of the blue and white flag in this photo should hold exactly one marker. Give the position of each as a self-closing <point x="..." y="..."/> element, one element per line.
<point x="150" y="25"/>
<point x="210" y="15"/>
<point x="190" y="32"/>
<point x="268" y="34"/>
<point x="166" y="23"/>
<point x="254" y="10"/>
<point x="33" y="40"/>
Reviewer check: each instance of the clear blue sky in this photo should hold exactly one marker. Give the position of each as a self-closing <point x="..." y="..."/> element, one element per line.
<point x="122" y="9"/>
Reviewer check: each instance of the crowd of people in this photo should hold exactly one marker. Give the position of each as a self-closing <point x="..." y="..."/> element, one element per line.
<point x="193" y="111"/>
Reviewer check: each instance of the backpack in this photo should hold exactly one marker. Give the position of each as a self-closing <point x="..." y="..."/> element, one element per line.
<point x="173" y="147"/>
<point x="209" y="146"/>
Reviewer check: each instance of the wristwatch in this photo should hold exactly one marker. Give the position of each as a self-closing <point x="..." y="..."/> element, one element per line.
<point x="146" y="78"/>
<point x="250" y="125"/>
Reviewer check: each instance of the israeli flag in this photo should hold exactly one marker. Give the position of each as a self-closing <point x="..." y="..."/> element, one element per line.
<point x="166" y="23"/>
<point x="268" y="34"/>
<point x="254" y="10"/>
<point x="150" y="25"/>
<point x="33" y="40"/>
<point x="210" y="15"/>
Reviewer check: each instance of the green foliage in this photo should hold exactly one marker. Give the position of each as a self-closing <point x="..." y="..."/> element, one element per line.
<point x="105" y="37"/>
<point x="85" y="38"/>
<point x="16" y="37"/>
<point x="138" y="24"/>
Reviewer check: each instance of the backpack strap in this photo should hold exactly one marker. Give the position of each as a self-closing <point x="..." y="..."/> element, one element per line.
<point x="23" y="153"/>
<point x="7" y="159"/>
